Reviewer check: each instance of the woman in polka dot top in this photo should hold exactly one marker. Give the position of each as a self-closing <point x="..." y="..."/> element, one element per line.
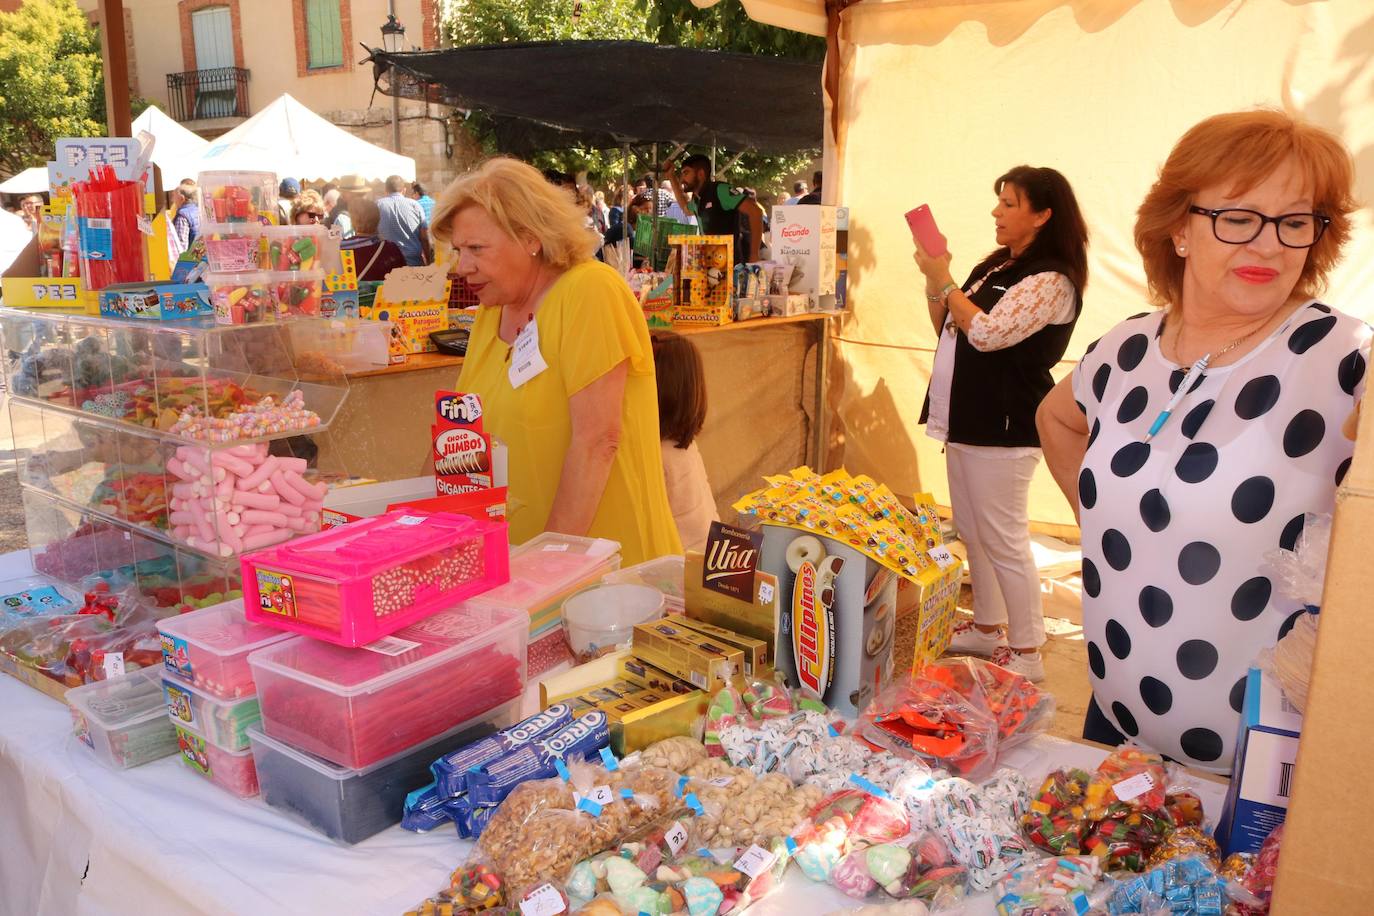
<point x="1194" y="439"/>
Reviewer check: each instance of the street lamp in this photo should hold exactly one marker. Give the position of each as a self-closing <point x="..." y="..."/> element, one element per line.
<point x="393" y="34"/>
<point x="393" y="39"/>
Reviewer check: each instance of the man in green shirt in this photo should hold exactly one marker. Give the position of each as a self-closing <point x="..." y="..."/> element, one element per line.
<point x="718" y="209"/>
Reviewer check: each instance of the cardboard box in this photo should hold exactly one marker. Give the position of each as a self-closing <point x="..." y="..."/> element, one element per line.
<point x="1262" y="775"/>
<point x="48" y="293"/>
<point x="788" y="305"/>
<point x="669" y="718"/>
<point x="756" y="651"/>
<point x="937" y="602"/>
<point x="638" y="671"/>
<point x="705" y="271"/>
<point x="1329" y="797"/>
<point x="156" y="301"/>
<point x="805" y="237"/>
<point x="414" y="322"/>
<point x="838" y="618"/>
<point x="686" y="654"/>
<point x="714" y="317"/>
<point x="757" y="618"/>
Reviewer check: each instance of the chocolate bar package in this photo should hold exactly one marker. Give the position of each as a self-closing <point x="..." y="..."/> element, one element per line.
<point x="462" y="451"/>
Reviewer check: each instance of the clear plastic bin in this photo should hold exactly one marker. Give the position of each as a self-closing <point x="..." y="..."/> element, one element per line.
<point x="544" y="572"/>
<point x="123" y="720"/>
<point x="297" y="293"/>
<point x="224" y="722"/>
<point x="242" y="298"/>
<point x="295" y="247"/>
<point x="209" y="649"/>
<point x="234" y="247"/>
<point x="336" y="346"/>
<point x="232" y="771"/>
<point x="238" y="197"/>
<point x="665" y="574"/>
<point x="350" y="805"/>
<point x="358" y="583"/>
<point x="148" y="376"/>
<point x="355" y="707"/>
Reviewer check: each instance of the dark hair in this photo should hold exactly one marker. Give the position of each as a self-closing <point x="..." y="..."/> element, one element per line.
<point x="417" y="188"/>
<point x="698" y="161"/>
<point x="1064" y="238"/>
<point x="816" y="180"/>
<point x="681" y="388"/>
<point x="798" y="187"/>
<point x="646" y="179"/>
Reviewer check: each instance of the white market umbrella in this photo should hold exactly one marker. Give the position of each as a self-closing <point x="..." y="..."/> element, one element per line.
<point x="29" y="181"/>
<point x="177" y="150"/>
<point x="14" y="235"/>
<point x="291" y="140"/>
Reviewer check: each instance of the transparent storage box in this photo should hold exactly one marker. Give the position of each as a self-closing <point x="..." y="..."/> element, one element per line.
<point x="665" y="574"/>
<point x="232" y="771"/>
<point x="123" y="719"/>
<point x="224" y="722"/>
<point x="237" y="196"/>
<point x="355" y="707"/>
<point x="350" y="805"/>
<point x="545" y="570"/>
<point x="209" y="649"/>
<point x="76" y="545"/>
<point x="358" y="583"/>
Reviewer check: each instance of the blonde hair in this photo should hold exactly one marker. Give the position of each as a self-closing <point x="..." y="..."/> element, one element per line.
<point x="1244" y="148"/>
<point x="524" y="205"/>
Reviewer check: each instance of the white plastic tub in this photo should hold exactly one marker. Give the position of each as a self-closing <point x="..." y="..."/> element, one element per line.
<point x="602" y="619"/>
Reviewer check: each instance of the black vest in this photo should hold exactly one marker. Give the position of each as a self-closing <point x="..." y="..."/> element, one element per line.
<point x="993" y="396"/>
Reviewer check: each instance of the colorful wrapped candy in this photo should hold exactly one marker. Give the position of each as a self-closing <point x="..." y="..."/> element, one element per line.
<point x="233" y="247"/>
<point x="1186" y="887"/>
<point x="239" y="197"/>
<point x="243" y="298"/>
<point x="1058" y="886"/>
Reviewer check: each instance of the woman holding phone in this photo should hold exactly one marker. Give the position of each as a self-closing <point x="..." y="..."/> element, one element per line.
<point x="999" y="336"/>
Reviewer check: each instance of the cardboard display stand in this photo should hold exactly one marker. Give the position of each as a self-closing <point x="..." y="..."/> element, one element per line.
<point x="1331" y="796"/>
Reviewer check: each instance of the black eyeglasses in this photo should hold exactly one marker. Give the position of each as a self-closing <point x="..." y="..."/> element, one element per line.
<point x="1239" y="227"/>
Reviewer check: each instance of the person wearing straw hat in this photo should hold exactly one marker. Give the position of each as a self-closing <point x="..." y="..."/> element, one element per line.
<point x="349" y="186"/>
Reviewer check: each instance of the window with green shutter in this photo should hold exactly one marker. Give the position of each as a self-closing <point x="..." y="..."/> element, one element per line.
<point x="324" y="33"/>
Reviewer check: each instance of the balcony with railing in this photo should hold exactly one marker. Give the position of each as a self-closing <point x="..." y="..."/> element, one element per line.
<point x="208" y="95"/>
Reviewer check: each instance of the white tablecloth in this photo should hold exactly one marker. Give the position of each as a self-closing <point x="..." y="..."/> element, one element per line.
<point x="81" y="838"/>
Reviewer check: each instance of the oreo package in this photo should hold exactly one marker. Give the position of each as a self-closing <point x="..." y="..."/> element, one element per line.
<point x="469" y="819"/>
<point x="425" y="809"/>
<point x="584" y="738"/>
<point x="452" y="771"/>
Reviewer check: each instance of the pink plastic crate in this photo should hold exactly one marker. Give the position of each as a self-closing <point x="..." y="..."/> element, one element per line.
<point x="233" y="771"/>
<point x="354" y="707"/>
<point x="209" y="648"/>
<point x="355" y="584"/>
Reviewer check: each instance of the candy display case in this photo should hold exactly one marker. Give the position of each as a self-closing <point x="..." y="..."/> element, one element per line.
<point x="122" y="720"/>
<point x="232" y="771"/>
<point x="156" y="452"/>
<point x="209" y="649"/>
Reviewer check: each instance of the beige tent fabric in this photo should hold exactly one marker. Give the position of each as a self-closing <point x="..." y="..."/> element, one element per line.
<point x="939" y="97"/>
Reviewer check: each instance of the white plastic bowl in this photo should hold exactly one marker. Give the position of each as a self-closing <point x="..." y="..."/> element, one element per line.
<point x="602" y="619"/>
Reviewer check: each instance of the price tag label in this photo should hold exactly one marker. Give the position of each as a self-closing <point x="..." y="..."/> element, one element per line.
<point x="601" y="795"/>
<point x="113" y="664"/>
<point x="755" y="861"/>
<point x="410" y="520"/>
<point x="1134" y="787"/>
<point x="721" y="782"/>
<point x="942" y="557"/>
<point x="766" y="593"/>
<point x="676" y="837"/>
<point x="544" y="900"/>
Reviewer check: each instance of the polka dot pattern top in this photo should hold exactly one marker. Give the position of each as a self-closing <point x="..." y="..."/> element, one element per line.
<point x="1177" y="600"/>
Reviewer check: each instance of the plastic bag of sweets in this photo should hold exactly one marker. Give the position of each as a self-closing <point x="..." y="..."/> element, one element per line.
<point x="1187" y="886"/>
<point x="1058" y="886"/>
<point x="1021" y="709"/>
<point x="981" y="824"/>
<point x="1129" y="775"/>
<point x="926" y="718"/>
<point x="762" y="808"/>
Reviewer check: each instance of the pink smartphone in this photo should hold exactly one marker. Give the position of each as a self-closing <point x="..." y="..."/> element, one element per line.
<point x="924" y="230"/>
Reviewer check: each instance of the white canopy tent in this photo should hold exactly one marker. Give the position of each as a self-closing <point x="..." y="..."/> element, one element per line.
<point x="177" y="149"/>
<point x="30" y="181"/>
<point x="291" y="140"/>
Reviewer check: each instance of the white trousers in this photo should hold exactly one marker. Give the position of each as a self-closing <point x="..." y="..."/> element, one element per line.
<point x="989" y="493"/>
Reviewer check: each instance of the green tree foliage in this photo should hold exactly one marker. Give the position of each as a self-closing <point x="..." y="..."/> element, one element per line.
<point x="51" y="84"/>
<point x="724" y="27"/>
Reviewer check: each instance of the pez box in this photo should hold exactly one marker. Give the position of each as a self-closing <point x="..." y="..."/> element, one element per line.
<point x="1262" y="775"/>
<point x="837" y="617"/>
<point x="156" y="301"/>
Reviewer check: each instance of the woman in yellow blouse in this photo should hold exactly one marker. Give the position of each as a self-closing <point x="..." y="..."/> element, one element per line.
<point x="561" y="358"/>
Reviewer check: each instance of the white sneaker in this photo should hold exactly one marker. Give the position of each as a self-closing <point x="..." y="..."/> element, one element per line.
<point x="969" y="640"/>
<point x="1027" y="664"/>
